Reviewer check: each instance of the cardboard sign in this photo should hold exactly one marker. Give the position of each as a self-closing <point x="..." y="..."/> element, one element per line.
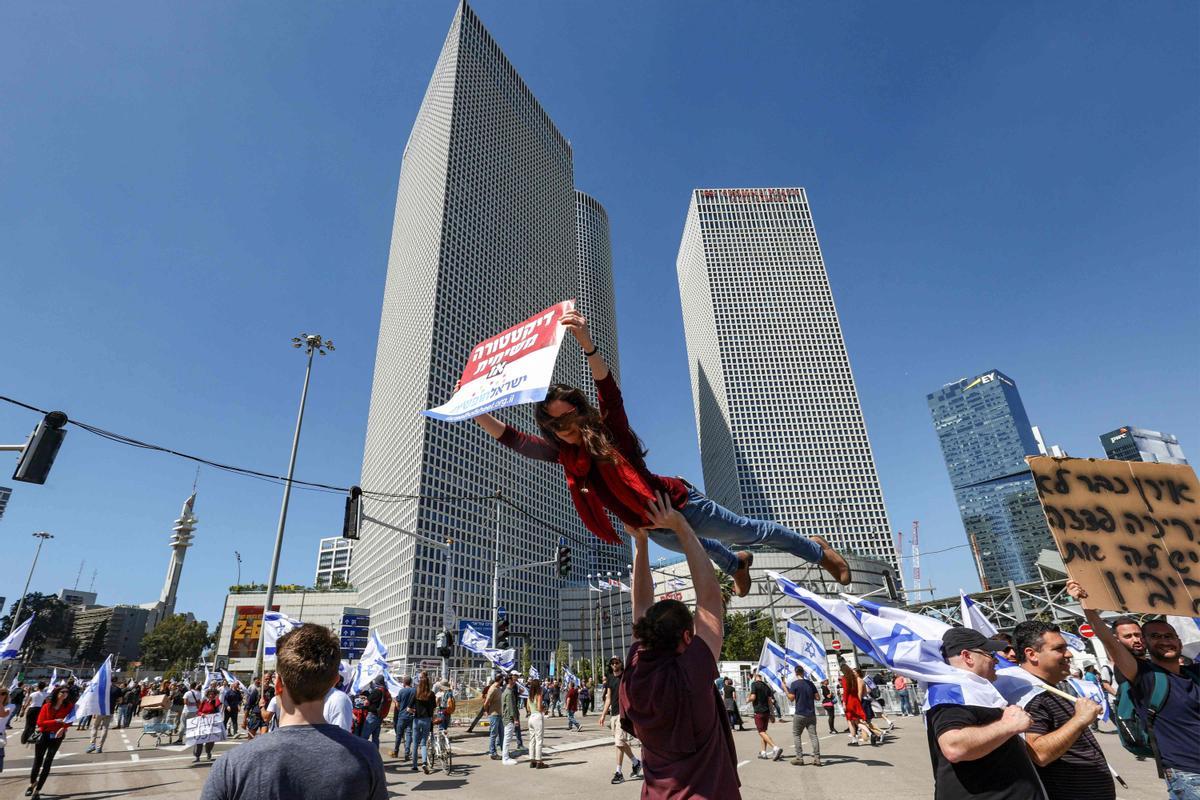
<point x="1128" y="531"/>
<point x="204" y="728"/>
<point x="512" y="367"/>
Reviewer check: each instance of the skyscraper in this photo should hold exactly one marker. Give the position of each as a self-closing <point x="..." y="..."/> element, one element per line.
<point x="333" y="560"/>
<point x="484" y="235"/>
<point x="985" y="435"/>
<point x="1128" y="443"/>
<point x="782" y="435"/>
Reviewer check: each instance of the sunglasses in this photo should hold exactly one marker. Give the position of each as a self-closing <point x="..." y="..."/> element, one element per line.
<point x="984" y="653"/>
<point x="561" y="423"/>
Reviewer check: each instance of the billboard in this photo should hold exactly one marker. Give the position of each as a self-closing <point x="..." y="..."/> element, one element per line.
<point x="247" y="627"/>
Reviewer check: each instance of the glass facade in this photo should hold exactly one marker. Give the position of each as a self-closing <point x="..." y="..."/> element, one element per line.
<point x="333" y="560"/>
<point x="985" y="435"/>
<point x="1138" y="444"/>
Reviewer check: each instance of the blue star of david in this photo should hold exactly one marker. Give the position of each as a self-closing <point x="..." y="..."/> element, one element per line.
<point x="898" y="635"/>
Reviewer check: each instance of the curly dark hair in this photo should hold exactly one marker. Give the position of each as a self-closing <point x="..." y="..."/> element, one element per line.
<point x="663" y="626"/>
<point x="597" y="438"/>
<point x="1029" y="634"/>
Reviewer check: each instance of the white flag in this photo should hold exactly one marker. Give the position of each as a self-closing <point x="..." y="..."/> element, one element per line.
<point x="1092" y="691"/>
<point x="534" y="674"/>
<point x="276" y="624"/>
<point x="973" y="617"/>
<point x="373" y="663"/>
<point x="95" y="698"/>
<point x="1074" y="642"/>
<point x="1188" y="629"/>
<point x="477" y="643"/>
<point x="11" y="646"/>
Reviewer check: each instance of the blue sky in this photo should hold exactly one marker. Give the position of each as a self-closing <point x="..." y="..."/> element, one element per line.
<point x="184" y="187"/>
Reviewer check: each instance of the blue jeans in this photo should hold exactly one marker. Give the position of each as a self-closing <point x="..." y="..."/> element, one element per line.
<point x="1183" y="785"/>
<point x="717" y="526"/>
<point x="404" y="731"/>
<point x="420" y="739"/>
<point x="370" y="728"/>
<point x="571" y="721"/>
<point x="905" y="704"/>
<point x="495" y="734"/>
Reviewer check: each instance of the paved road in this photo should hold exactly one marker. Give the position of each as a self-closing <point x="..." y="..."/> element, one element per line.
<point x="581" y="767"/>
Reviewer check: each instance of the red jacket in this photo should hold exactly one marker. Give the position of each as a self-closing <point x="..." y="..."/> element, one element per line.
<point x="612" y="409"/>
<point x="49" y="719"/>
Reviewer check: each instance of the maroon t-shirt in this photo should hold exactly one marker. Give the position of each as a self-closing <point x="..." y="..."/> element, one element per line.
<point x="671" y="702"/>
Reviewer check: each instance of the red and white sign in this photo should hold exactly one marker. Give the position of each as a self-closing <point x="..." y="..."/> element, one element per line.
<point x="1086" y="631"/>
<point x="508" y="369"/>
<point x="837" y="645"/>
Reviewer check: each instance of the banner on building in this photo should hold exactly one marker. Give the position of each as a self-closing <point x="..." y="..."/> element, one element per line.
<point x="1128" y="532"/>
<point x="247" y="627"/>
<point x="510" y="368"/>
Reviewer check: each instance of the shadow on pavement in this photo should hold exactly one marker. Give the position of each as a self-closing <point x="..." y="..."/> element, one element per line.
<point x="833" y="760"/>
<point x="103" y="794"/>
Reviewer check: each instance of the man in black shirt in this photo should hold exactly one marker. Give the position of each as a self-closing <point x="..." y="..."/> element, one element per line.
<point x="976" y="751"/>
<point x="1068" y="759"/>
<point x="760" y="700"/>
<point x="622" y="740"/>
<point x="375" y="696"/>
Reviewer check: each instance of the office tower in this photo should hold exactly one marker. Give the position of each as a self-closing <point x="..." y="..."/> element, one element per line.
<point x="333" y="561"/>
<point x="484" y="236"/>
<point x="1138" y="444"/>
<point x="782" y="435"/>
<point x="985" y="436"/>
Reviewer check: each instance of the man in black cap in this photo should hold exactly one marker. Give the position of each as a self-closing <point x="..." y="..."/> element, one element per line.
<point x="977" y="751"/>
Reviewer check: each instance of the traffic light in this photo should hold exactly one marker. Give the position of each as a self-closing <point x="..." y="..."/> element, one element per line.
<point x="40" y="448"/>
<point x="352" y="522"/>
<point x="445" y="641"/>
<point x="564" y="559"/>
<point x="502" y="634"/>
<point x="890" y="582"/>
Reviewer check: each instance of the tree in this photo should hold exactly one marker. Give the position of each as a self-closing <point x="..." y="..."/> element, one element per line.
<point x="52" y="623"/>
<point x="726" y="584"/>
<point x="744" y="637"/>
<point x="562" y="657"/>
<point x="175" y="643"/>
<point x="526" y="658"/>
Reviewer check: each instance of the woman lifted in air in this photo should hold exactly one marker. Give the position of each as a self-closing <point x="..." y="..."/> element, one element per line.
<point x="604" y="462"/>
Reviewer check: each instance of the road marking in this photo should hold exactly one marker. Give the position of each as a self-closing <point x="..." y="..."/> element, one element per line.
<point x="743" y="763"/>
<point x="135" y="757"/>
<point x="128" y="747"/>
<point x="564" y="748"/>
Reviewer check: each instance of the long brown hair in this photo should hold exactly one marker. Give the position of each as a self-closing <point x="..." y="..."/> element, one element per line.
<point x="597" y="438"/>
<point x="423" y="690"/>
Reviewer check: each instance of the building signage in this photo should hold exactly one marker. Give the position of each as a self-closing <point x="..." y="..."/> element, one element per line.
<point x="247" y="627"/>
<point x="760" y="195"/>
<point x="988" y="378"/>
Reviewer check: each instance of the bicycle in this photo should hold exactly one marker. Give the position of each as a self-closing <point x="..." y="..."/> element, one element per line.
<point x="441" y="750"/>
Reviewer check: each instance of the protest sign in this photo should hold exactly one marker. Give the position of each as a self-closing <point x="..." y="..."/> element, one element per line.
<point x="204" y="728"/>
<point x="513" y="367"/>
<point x="1127" y="531"/>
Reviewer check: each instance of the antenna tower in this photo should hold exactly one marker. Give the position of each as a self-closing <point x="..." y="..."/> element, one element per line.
<point x="916" y="553"/>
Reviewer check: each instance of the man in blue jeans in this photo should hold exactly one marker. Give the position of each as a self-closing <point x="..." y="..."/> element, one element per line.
<point x="375" y="698"/>
<point x="491" y="706"/>
<point x="402" y="723"/>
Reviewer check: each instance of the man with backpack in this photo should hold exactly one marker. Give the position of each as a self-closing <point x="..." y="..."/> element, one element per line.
<point x="1165" y="698"/>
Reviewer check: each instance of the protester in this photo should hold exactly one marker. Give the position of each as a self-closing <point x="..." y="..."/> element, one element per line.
<point x="402" y="722"/>
<point x="100" y="722"/>
<point x="231" y="702"/>
<point x="305" y="757"/>
<point x="33" y="707"/>
<point x="668" y="695"/>
<point x="1172" y="724"/>
<point x="492" y="707"/>
<point x="176" y="693"/>
<point x="900" y="684"/>
<point x="8" y="710"/>
<point x="422" y="711"/>
<point x="977" y="751"/>
<point x="760" y="700"/>
<point x="515" y="689"/>
<point x="585" y="698"/>
<point x="377" y="697"/>
<point x="853" y="689"/>
<point x="614" y="704"/>
<point x="52" y="730"/>
<point x="829" y="703"/>
<point x="572" y="707"/>
<point x="803" y="694"/>
<point x="338" y="710"/>
<point x="211" y="704"/>
<point x="253" y="708"/>
<point x="508" y="717"/>
<point x="872" y="702"/>
<point x="729" y="696"/>
<point x="537" y="723"/>
<point x="1068" y="758"/>
<point x="605" y="466"/>
<point x="131" y="699"/>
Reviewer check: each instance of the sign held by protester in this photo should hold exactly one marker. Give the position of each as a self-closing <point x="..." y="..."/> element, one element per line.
<point x="510" y="368"/>
<point x="1128" y="532"/>
<point x="203" y="729"/>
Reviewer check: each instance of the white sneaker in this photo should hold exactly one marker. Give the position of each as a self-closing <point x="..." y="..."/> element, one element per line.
<point x="777" y="754"/>
<point x="509" y="762"/>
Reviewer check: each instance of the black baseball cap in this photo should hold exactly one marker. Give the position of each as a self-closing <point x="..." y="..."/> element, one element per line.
<point x="955" y="640"/>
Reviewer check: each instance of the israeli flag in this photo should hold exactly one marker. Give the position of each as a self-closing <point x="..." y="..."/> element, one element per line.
<point x="374" y="663"/>
<point x="54" y="678"/>
<point x="973" y="617"/>
<point x="208" y="679"/>
<point x="677" y="583"/>
<point x="570" y="677"/>
<point x="345" y="674"/>
<point x="11" y="646"/>
<point x="773" y="664"/>
<point x="229" y="679"/>
<point x="95" y="698"/>
<point x="1074" y="642"/>
<point x="806" y="650"/>
<point x="12" y="687"/>
<point x="534" y="674"/>
<point x="479" y="644"/>
<point x="836" y="612"/>
<point x="1092" y="691"/>
<point x="276" y="624"/>
<point x="1188" y="629"/>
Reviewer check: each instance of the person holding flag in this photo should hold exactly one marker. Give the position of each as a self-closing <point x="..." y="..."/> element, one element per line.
<point x="605" y="466"/>
<point x="52" y="725"/>
<point x="1068" y="758"/>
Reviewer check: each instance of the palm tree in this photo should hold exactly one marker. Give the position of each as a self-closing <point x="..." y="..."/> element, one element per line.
<point x="726" y="584"/>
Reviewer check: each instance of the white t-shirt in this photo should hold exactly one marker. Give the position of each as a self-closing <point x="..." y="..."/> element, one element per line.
<point x="191" y="701"/>
<point x="37" y="699"/>
<point x="273" y="710"/>
<point x="339" y="710"/>
<point x="10" y="709"/>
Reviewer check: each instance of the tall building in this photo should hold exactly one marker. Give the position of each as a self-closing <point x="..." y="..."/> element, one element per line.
<point x="485" y="234"/>
<point x="1138" y="444"/>
<point x="985" y="435"/>
<point x="333" y="561"/>
<point x="782" y="435"/>
<point x="181" y="540"/>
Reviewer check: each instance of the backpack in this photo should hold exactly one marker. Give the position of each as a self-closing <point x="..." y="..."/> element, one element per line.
<point x="875" y="693"/>
<point x="1136" y="734"/>
<point x="385" y="704"/>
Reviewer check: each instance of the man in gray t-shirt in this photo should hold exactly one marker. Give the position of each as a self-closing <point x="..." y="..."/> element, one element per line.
<point x="306" y="756"/>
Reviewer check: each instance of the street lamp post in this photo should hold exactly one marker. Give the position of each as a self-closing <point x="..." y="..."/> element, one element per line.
<point x="41" y="536"/>
<point x="311" y="342"/>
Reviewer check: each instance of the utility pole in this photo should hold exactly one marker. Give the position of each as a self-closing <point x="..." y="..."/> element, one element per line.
<point x="41" y="536"/>
<point x="311" y="342"/>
